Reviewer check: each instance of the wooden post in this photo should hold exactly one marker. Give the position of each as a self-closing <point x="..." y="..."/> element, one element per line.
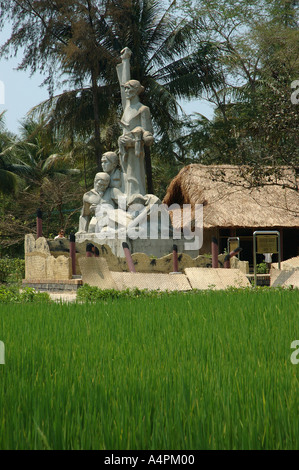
<point x="129" y="258"/>
<point x="73" y="252"/>
<point x="214" y="252"/>
<point x="229" y="256"/>
<point x="39" y="223"/>
<point x="175" y="259"/>
<point x="281" y="243"/>
<point x="227" y="262"/>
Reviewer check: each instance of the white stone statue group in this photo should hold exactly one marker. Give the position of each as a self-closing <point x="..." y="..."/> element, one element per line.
<point x="121" y="187"/>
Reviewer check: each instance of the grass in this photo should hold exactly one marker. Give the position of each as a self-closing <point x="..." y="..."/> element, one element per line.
<point x="204" y="371"/>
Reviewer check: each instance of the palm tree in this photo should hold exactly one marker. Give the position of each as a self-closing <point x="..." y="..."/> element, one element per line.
<point x="8" y="178"/>
<point x="166" y="59"/>
<point x="39" y="155"/>
<point x="43" y="164"/>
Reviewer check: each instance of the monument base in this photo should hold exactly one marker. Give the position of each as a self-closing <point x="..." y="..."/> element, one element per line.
<point x="151" y="247"/>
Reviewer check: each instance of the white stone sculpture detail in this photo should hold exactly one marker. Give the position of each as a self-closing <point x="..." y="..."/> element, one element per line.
<point x="118" y="201"/>
<point x="137" y="129"/>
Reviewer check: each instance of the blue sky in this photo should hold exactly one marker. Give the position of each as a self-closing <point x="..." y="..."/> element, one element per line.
<point x="22" y="92"/>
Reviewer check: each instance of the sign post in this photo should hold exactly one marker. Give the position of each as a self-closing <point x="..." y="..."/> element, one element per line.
<point x="233" y="243"/>
<point x="266" y="242"/>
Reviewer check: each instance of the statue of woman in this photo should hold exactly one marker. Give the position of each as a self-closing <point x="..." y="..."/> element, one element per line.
<point x="137" y="129"/>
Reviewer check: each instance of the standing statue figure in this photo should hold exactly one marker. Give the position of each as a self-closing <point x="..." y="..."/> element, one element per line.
<point x="137" y="129"/>
<point x="118" y="203"/>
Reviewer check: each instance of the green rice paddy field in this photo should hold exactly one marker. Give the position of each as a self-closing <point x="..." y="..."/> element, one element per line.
<point x="185" y="372"/>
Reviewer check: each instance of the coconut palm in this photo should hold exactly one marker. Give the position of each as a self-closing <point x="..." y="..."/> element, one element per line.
<point x="8" y="167"/>
<point x="38" y="155"/>
<point x="8" y="180"/>
<point x="167" y="59"/>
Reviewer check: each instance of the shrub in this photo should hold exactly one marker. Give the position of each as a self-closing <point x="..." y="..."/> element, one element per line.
<point x="262" y="268"/>
<point x="89" y="293"/>
<point x="13" y="294"/>
<point x="12" y="270"/>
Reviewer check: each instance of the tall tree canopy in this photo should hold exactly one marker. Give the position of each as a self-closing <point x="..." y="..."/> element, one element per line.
<point x="80" y="42"/>
<point x="8" y="167"/>
<point x="255" y="121"/>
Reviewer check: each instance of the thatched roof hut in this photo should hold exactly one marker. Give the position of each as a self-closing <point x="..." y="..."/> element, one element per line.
<point x="229" y="201"/>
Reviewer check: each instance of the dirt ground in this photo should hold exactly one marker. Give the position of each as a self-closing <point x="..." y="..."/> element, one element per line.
<point x="63" y="296"/>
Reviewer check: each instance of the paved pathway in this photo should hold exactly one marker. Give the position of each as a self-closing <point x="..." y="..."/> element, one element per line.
<point x="63" y="296"/>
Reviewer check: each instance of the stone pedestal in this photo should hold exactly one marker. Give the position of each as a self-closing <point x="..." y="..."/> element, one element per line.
<point x="151" y="247"/>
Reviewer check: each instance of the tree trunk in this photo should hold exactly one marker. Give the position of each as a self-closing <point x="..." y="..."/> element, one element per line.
<point x="148" y="170"/>
<point x="84" y="169"/>
<point x="94" y="76"/>
<point x="97" y="134"/>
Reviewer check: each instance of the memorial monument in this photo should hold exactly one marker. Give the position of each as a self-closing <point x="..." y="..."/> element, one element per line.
<point x="118" y="209"/>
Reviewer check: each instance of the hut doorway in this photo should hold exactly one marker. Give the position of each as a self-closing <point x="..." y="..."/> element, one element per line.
<point x="290" y="242"/>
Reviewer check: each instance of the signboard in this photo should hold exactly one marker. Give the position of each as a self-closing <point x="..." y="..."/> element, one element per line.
<point x="233" y="245"/>
<point x="267" y="244"/>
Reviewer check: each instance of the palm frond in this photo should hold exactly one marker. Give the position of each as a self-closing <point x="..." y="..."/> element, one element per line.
<point x="8" y="182"/>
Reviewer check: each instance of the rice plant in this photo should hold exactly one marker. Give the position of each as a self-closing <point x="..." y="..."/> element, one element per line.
<point x="209" y="370"/>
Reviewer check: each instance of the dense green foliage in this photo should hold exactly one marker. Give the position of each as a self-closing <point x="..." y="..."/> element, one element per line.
<point x="206" y="371"/>
<point x="88" y="293"/>
<point x="12" y="270"/>
<point x="82" y="41"/>
<point x="13" y="294"/>
<point x="242" y="57"/>
<point x="255" y="120"/>
<point x="44" y="169"/>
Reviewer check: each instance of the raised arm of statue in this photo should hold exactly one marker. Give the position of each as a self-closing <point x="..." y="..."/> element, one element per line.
<point x="124" y="73"/>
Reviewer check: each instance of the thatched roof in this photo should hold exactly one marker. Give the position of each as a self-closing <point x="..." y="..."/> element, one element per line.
<point x="230" y="201"/>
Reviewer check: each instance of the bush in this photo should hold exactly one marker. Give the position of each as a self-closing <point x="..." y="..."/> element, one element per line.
<point x="13" y="294"/>
<point x="12" y="270"/>
<point x="89" y="293"/>
<point x="262" y="268"/>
